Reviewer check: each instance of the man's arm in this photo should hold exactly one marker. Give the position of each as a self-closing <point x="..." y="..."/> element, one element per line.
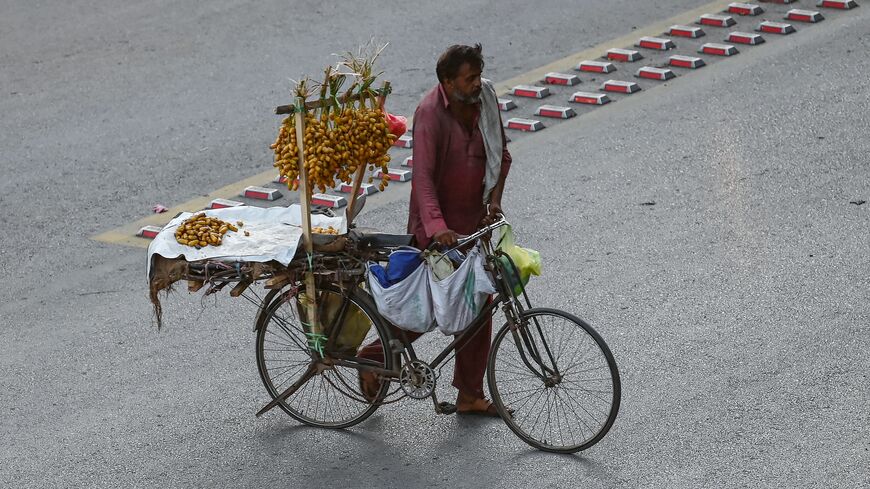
<point x="426" y="136"/>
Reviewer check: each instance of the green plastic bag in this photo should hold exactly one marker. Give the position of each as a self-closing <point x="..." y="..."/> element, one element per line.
<point x="527" y="260"/>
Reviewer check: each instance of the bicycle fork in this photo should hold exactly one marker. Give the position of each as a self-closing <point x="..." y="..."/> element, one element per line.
<point x="528" y="346"/>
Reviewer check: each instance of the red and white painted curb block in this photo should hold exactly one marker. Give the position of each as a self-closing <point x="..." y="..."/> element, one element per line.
<point x="652" y="73"/>
<point x="527" y="125"/>
<point x="555" y="112"/>
<point x="261" y="193"/>
<point x="775" y="27"/>
<point x="149" y="232"/>
<point x="718" y="49"/>
<point x="530" y="91"/>
<point x="686" y="31"/>
<point x="717" y="20"/>
<point x="745" y="38"/>
<point x="224" y="203"/>
<point x="409" y="162"/>
<point x="840" y="4"/>
<point x="364" y="188"/>
<point x="745" y="9"/>
<point x="506" y="104"/>
<point x="404" y="141"/>
<point x="620" y="86"/>
<point x="658" y="43"/>
<point x="596" y="67"/>
<point x="561" y="79"/>
<point x="690" y="62"/>
<point x="396" y="174"/>
<point x="798" y="15"/>
<point x="326" y="200"/>
<point x="590" y="98"/>
<point x="627" y="55"/>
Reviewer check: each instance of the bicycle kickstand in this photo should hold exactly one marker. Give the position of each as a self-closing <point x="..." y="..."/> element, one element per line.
<point x="443" y="407"/>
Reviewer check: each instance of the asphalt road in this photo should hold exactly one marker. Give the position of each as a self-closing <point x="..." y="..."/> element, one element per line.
<point x="738" y="306"/>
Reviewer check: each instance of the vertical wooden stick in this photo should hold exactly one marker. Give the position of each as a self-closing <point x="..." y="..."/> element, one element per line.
<point x="360" y="172"/>
<point x="305" y="202"/>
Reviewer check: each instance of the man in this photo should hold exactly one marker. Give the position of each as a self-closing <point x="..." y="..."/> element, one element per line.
<point x="453" y="132"/>
<point x="460" y="165"/>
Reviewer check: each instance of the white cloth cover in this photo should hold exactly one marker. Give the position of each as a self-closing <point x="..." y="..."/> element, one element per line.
<point x="275" y="235"/>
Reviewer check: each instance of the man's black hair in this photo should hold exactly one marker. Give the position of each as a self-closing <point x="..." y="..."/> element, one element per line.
<point x="453" y="59"/>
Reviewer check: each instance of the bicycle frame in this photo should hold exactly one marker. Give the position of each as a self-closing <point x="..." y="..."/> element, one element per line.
<point x="505" y="297"/>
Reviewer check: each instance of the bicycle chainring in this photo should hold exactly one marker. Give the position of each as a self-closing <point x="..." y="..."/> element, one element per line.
<point x="417" y="379"/>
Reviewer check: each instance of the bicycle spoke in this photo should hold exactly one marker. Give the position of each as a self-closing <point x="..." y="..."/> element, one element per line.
<point x="568" y="420"/>
<point x="573" y="402"/>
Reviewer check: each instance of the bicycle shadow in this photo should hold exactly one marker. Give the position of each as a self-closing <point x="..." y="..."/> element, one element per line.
<point x="380" y="452"/>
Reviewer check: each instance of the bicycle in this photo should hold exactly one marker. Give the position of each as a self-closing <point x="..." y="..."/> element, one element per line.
<point x="551" y="376"/>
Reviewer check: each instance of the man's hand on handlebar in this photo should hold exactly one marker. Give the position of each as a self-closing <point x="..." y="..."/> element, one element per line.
<point x="447" y="237"/>
<point x="493" y="215"/>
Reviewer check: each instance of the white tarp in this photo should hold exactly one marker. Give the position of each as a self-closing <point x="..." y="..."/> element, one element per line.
<point x="275" y="233"/>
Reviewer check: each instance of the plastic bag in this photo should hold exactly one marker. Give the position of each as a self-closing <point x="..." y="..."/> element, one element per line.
<point x="396" y="123"/>
<point x="527" y="260"/>
<point x="459" y="297"/>
<point x="407" y="303"/>
<point x="402" y="263"/>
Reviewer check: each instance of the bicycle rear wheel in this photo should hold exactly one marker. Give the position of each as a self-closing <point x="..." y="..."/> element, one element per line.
<point x="330" y="396"/>
<point x="559" y="378"/>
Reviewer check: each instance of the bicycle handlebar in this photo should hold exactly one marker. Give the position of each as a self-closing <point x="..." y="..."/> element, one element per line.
<point x="463" y="240"/>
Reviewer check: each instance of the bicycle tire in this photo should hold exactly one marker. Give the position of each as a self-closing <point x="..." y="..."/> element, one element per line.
<point x="267" y="317"/>
<point x="560" y="393"/>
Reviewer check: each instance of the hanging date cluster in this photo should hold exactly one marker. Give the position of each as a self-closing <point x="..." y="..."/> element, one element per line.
<point x="345" y="131"/>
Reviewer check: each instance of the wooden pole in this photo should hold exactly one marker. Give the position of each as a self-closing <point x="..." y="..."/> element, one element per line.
<point x="305" y="202"/>
<point x="314" y="104"/>
<point x="360" y="172"/>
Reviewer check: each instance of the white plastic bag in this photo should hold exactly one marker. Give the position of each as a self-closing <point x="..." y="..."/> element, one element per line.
<point x="458" y="298"/>
<point x="408" y="303"/>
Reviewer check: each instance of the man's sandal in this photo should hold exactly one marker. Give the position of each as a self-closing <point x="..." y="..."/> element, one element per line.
<point x="481" y="407"/>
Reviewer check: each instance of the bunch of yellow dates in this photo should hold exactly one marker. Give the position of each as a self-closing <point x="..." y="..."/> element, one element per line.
<point x="322" y="230"/>
<point x="200" y="231"/>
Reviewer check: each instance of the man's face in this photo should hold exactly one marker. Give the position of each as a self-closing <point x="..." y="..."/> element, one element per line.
<point x="465" y="88"/>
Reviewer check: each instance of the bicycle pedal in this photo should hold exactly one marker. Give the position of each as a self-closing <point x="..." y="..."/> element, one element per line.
<point x="445" y="407"/>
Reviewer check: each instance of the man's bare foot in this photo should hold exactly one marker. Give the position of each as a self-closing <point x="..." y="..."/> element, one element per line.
<point x="369" y="385"/>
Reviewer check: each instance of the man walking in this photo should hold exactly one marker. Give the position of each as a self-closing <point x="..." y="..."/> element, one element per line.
<point x="460" y="165"/>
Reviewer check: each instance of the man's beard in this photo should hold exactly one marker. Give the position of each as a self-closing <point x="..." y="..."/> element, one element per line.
<point x="472" y="99"/>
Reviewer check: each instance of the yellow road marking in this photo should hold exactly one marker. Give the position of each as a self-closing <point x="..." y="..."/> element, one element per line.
<point x="126" y="234"/>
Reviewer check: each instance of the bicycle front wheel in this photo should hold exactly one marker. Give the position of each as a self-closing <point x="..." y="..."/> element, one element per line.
<point x="557" y="377"/>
